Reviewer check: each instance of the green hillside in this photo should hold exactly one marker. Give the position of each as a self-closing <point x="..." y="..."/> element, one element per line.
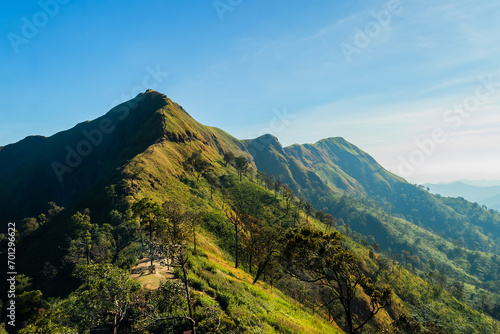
<point x="238" y="232"/>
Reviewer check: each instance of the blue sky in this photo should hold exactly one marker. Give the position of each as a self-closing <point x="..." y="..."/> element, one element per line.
<point x="414" y="83"/>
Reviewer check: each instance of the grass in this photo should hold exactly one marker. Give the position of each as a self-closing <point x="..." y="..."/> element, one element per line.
<point x="254" y="308"/>
<point x="257" y="308"/>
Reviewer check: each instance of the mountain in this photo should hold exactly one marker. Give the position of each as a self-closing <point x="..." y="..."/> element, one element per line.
<point x="481" y="183"/>
<point x="150" y="147"/>
<point x="481" y="193"/>
<point x="493" y="202"/>
<point x="348" y="172"/>
<point x="344" y="167"/>
<point x="270" y="157"/>
<point x="70" y="166"/>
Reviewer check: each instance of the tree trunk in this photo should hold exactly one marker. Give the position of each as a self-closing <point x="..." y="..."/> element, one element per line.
<point x="188" y="297"/>
<point x="151" y="243"/>
<point x="262" y="267"/>
<point x="348" y="315"/>
<point x="260" y="270"/>
<point x="115" y="324"/>
<point x="236" y="236"/>
<point x="250" y="263"/>
<point x="194" y="237"/>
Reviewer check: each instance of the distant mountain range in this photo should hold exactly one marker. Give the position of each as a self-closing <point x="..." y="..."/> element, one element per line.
<point x="482" y="192"/>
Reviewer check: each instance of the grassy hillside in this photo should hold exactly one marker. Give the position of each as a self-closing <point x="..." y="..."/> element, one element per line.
<point x="398" y="235"/>
<point x="344" y="166"/>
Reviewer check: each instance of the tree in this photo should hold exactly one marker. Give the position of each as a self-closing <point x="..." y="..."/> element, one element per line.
<point x="197" y="164"/>
<point x="28" y="303"/>
<point x="81" y="245"/>
<point x="54" y="210"/>
<point x="28" y="226"/>
<point x="482" y="299"/>
<point x="267" y="249"/>
<point x="241" y="165"/>
<point x="289" y="195"/>
<point x="320" y="215"/>
<point x="42" y="219"/>
<point x="103" y="243"/>
<point x="52" y="318"/>
<point x="319" y="258"/>
<point x="261" y="177"/>
<point x="457" y="290"/>
<point x="251" y="233"/>
<point x="308" y="209"/>
<point x="405" y="324"/>
<point x="111" y="193"/>
<point x="126" y="229"/>
<point x="229" y="158"/>
<point x="194" y="219"/>
<point x="406" y="256"/>
<point x="105" y="296"/>
<point x="329" y="221"/>
<point x="277" y="187"/>
<point x="213" y="181"/>
<point x="149" y="216"/>
<point x="235" y="216"/>
<point x="269" y="181"/>
<point x="182" y="261"/>
<point x="415" y="262"/>
<point x="90" y="242"/>
<point x="442" y="280"/>
<point x="176" y="229"/>
<point x="175" y="224"/>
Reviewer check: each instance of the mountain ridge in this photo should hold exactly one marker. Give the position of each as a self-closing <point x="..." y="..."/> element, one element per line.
<point x="145" y="155"/>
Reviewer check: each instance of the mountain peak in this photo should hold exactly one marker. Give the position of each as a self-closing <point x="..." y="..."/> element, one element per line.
<point x="265" y="142"/>
<point x="334" y="139"/>
<point x="269" y="139"/>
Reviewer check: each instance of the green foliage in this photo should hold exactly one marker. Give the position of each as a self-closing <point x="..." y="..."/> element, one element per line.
<point x="90" y="242"/>
<point x="47" y="326"/>
<point x="104" y="297"/>
<point x="241" y="165"/>
<point x="407" y="325"/>
<point x="197" y="164"/>
<point x="229" y="158"/>
<point x="150" y="218"/>
<point x="28" y="225"/>
<point x="319" y="258"/>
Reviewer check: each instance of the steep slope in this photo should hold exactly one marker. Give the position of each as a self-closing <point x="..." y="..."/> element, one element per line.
<point x="271" y="158"/>
<point x="74" y="165"/>
<point x="345" y="167"/>
<point x="138" y="146"/>
<point x="63" y="167"/>
<point x="353" y="172"/>
<point x="401" y="217"/>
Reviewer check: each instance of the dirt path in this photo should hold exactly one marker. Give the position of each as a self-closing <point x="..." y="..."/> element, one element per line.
<point x="142" y="274"/>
